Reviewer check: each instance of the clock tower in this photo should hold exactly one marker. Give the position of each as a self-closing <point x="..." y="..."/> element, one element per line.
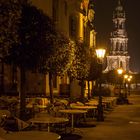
<point x="118" y="52"/>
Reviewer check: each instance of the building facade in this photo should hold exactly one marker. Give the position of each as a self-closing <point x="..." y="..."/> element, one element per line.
<point x="74" y="18"/>
<point x="118" y="52"/>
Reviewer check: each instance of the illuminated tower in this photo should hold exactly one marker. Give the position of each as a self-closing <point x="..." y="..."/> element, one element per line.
<point x="118" y="53"/>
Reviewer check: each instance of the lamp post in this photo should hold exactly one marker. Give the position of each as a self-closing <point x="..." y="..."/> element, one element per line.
<point x="100" y="53"/>
<point x="125" y="82"/>
<point x="120" y="72"/>
<point x="129" y="80"/>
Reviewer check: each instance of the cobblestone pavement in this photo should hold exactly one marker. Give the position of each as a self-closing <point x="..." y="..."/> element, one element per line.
<point x="122" y="123"/>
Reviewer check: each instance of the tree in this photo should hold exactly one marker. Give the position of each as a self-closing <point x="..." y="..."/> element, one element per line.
<point x="57" y="61"/>
<point x="111" y="76"/>
<point x="84" y="66"/>
<point x="40" y="48"/>
<point x="94" y="71"/>
<point x="80" y="66"/>
<point x="10" y="14"/>
<point x="33" y="28"/>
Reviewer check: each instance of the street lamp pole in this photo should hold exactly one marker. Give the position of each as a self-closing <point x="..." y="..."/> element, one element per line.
<point x="125" y="84"/>
<point x="100" y="55"/>
<point x="129" y="80"/>
<point x="120" y="71"/>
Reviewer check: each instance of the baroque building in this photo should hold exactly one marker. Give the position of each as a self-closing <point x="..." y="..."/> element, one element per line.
<point x="74" y="18"/>
<point x="118" y="52"/>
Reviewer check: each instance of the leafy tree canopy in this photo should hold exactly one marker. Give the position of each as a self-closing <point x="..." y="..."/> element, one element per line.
<point x="10" y="13"/>
<point x="84" y="65"/>
<point x="40" y="45"/>
<point x="95" y="69"/>
<point x="111" y="76"/>
<point x="57" y="59"/>
<point x="33" y="28"/>
<point x="81" y="64"/>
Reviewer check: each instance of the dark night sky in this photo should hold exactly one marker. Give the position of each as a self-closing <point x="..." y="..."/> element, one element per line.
<point x="103" y="26"/>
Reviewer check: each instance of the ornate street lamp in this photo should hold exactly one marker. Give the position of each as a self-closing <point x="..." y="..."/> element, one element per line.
<point x="120" y="72"/>
<point x="125" y="76"/>
<point x="125" y="82"/>
<point x="100" y="55"/>
<point x="129" y="80"/>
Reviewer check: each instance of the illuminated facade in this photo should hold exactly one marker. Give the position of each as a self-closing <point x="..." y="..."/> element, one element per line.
<point x="118" y="53"/>
<point x="74" y="18"/>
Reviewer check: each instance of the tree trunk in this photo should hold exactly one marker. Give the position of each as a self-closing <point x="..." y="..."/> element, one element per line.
<point x="2" y="86"/>
<point x="22" y="94"/>
<point x="1" y="77"/>
<point x="89" y="90"/>
<point x="82" y="89"/>
<point x="51" y="86"/>
<point x="71" y="80"/>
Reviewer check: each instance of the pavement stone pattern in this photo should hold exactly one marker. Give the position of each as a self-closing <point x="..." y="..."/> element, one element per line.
<point x="121" y="123"/>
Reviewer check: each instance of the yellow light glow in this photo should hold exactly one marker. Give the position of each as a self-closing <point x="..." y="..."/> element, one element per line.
<point x="120" y="71"/>
<point x="129" y="79"/>
<point x="125" y="76"/>
<point x="100" y="53"/>
<point x="130" y="76"/>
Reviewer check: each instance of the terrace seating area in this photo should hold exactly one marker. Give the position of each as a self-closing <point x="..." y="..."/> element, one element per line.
<point x="63" y="116"/>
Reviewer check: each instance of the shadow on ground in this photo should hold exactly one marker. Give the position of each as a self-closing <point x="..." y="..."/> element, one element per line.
<point x="86" y="125"/>
<point x="70" y="136"/>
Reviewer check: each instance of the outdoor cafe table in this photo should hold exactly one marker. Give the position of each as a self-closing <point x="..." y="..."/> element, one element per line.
<point x="85" y="107"/>
<point x="72" y="112"/>
<point x="111" y="101"/>
<point x="31" y="135"/>
<point x="48" y="120"/>
<point x="93" y="103"/>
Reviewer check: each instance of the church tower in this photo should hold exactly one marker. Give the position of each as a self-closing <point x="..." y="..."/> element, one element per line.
<point x="118" y="52"/>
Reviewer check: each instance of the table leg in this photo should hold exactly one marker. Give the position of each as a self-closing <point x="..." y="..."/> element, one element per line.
<point x="85" y="117"/>
<point x="39" y="126"/>
<point x="72" y="122"/>
<point x="48" y="127"/>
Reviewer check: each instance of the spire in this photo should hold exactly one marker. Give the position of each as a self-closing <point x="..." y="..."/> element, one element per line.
<point x="118" y="55"/>
<point x="119" y="12"/>
<point x="119" y="6"/>
<point x="119" y="2"/>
